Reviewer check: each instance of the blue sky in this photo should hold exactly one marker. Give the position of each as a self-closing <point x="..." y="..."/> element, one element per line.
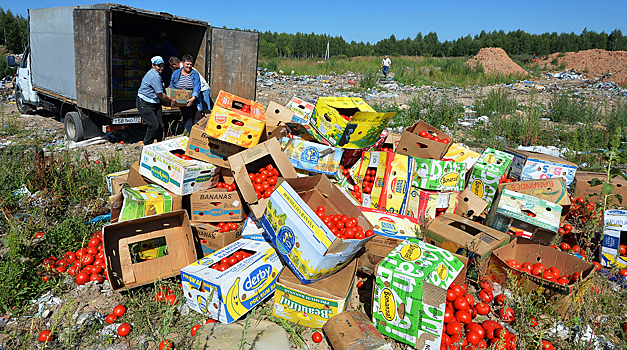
<point x="371" y="21"/>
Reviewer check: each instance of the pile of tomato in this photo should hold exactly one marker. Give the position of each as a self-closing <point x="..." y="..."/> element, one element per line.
<point x="428" y="135"/>
<point x="264" y="180"/>
<point x="368" y="181"/>
<point x="86" y="264"/>
<point x="231" y="260"/>
<point x="551" y="274"/>
<point x="342" y="226"/>
<point x="166" y="295"/>
<point x="227" y="226"/>
<point x="386" y="149"/>
<point x="183" y="156"/>
<point x="228" y="187"/>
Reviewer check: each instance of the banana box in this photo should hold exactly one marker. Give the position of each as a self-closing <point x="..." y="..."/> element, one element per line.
<point x="211" y="239"/>
<point x="396" y="183"/>
<point x="114" y="187"/>
<point x="525" y="216"/>
<point x="145" y="201"/>
<point x="427" y="205"/>
<point x="228" y="295"/>
<point x="117" y="83"/>
<point x="296" y="116"/>
<point x="160" y="165"/>
<point x="130" y="83"/>
<point x="410" y="293"/>
<point x="216" y="205"/>
<point x="312" y="305"/>
<point x="312" y="157"/>
<point x="529" y="165"/>
<point x="437" y="175"/>
<point x="236" y="120"/>
<point x="302" y="239"/>
<point x="392" y="225"/>
<point x="136" y="73"/>
<point x="330" y="119"/>
<point x="460" y="154"/>
<point x="374" y="161"/>
<point x="135" y="63"/>
<point x="614" y="234"/>
<point x="486" y="173"/>
<point x="208" y="149"/>
<point x="179" y="96"/>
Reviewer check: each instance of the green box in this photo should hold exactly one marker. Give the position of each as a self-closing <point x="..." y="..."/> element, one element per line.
<point x="485" y="175"/>
<point x="410" y="293"/>
<point x="438" y="175"/>
<point x="145" y="201"/>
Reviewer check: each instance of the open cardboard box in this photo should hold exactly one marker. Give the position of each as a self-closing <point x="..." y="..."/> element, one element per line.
<point x="551" y="190"/>
<point x="584" y="190"/>
<point x="352" y="330"/>
<point x="211" y="239"/>
<point x="130" y="248"/>
<point x="485" y="175"/>
<point x="438" y="175"/>
<point x="253" y="159"/>
<point x="524" y="250"/>
<point x="460" y="154"/>
<point x="529" y="165"/>
<point x="116" y="180"/>
<point x="117" y="202"/>
<point x="312" y="157"/>
<point x="208" y="149"/>
<point x="302" y="239"/>
<point x="469" y="205"/>
<point x="135" y="179"/>
<point x="466" y="237"/>
<point x="236" y="120"/>
<point x="414" y="145"/>
<point x="312" y="305"/>
<point x="614" y="234"/>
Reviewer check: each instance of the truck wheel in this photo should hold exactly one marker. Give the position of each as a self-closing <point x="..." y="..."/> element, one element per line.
<point x="80" y="127"/>
<point x="21" y="105"/>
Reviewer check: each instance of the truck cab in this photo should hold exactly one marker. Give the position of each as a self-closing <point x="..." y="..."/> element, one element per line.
<point x="25" y="98"/>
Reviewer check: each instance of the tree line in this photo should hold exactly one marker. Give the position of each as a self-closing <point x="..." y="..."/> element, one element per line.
<point x="13" y="31"/>
<point x="302" y="45"/>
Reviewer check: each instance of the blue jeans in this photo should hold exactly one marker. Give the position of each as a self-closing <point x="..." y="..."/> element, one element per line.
<point x="385" y="71"/>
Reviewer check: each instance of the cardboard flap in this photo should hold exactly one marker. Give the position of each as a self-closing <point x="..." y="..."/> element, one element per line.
<point x="470" y="205"/>
<point x="335" y="287"/>
<point x="539" y="156"/>
<point x="338" y="246"/>
<point x="279" y="113"/>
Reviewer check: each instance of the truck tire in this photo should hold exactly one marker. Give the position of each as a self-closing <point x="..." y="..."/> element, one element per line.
<point x="73" y="126"/>
<point x="22" y="107"/>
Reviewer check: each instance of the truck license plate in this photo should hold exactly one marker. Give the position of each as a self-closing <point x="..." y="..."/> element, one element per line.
<point x="131" y="120"/>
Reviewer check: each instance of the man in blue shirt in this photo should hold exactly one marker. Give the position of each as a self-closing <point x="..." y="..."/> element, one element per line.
<point x="148" y="104"/>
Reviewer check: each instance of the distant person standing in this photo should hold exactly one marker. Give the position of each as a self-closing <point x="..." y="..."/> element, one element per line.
<point x="385" y="66"/>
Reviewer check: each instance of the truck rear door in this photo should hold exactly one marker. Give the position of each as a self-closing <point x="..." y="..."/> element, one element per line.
<point x="233" y="65"/>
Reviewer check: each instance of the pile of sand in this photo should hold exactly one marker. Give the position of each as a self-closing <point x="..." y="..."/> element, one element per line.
<point x="496" y="61"/>
<point x="595" y="63"/>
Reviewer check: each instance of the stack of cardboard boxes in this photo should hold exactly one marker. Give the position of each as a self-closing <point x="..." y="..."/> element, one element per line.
<point x="129" y="65"/>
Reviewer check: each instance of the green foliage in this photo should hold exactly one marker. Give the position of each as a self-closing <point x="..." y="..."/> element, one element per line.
<point x="498" y="101"/>
<point x="436" y="111"/>
<point x="13" y="31"/>
<point x="569" y="109"/>
<point x="369" y="80"/>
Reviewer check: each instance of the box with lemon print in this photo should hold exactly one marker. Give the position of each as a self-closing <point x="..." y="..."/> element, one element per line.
<point x="437" y="175"/>
<point x="486" y="173"/>
<point x="229" y="294"/>
<point x="312" y="157"/>
<point x="460" y="154"/>
<point x="410" y="293"/>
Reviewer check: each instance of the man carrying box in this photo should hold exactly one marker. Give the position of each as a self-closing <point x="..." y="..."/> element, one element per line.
<point x="148" y="105"/>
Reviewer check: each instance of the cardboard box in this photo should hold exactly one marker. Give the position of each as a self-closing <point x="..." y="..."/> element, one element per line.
<point x="134" y="177"/>
<point x="464" y="237"/>
<point x="274" y="129"/>
<point x="551" y="190"/>
<point x="525" y="216"/>
<point x="226" y="296"/>
<point x="361" y="131"/>
<point x="353" y="330"/>
<point x="252" y="229"/>
<point x="437" y="175"/>
<point x="144" y="201"/>
<point x="117" y="201"/>
<point x="391" y="142"/>
<point x="312" y="305"/>
<point x="115" y="186"/>
<point x="130" y="94"/>
<point x="312" y="157"/>
<point x="130" y="83"/>
<point x="410" y="293"/>
<point x="390" y="224"/>
<point x="179" y="176"/>
<point x="302" y="239"/>
<point x="485" y="175"/>
<point x="135" y="73"/>
<point x="123" y="242"/>
<point x="426" y="205"/>
<point x="416" y="146"/>
<point x="469" y="205"/>
<point x="135" y="62"/>
<point x="585" y="190"/>
<point x="216" y="205"/>
<point x="460" y="154"/>
<point x="534" y="166"/>
<point x="236" y="120"/>
<point x="211" y="239"/>
<point x="180" y="96"/>
<point x="524" y="250"/>
<point x="208" y="149"/>
<point x="300" y="123"/>
<point x="396" y="183"/>
<point x="118" y="83"/>
<point x="614" y="234"/>
<point x="302" y="109"/>
<point x="250" y="161"/>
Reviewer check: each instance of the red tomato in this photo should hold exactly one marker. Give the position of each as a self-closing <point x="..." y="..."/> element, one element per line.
<point x="82" y="278"/>
<point x="623" y="272"/>
<point x="482" y="308"/>
<point x="453" y="328"/>
<point x="449" y="315"/>
<point x="533" y="322"/>
<point x="514" y="264"/>
<point x="460" y="303"/>
<point x="166" y="345"/>
<point x="471" y="300"/>
<point x="195" y="329"/>
<point x="546" y="345"/>
<point x="92" y="250"/>
<point x="70" y="257"/>
<point x="233" y="260"/>
<point x="94" y="242"/>
<point x="486" y="296"/>
<point x="475" y="327"/>
<point x="111" y="318"/>
<point x="171" y="298"/>
<point x="360" y="284"/>
<point x="96" y="277"/>
<point x="567" y="227"/>
<point x="119" y="310"/>
<point x="124" y="329"/>
<point x="526" y="267"/>
<point x="622" y="249"/>
<point x="316" y="337"/>
<point x="500" y="299"/>
<point x="486" y="284"/>
<point x="507" y="315"/>
<point x="463" y="316"/>
<point x="87" y="259"/>
<point x="45" y="336"/>
<point x="575" y="248"/>
<point x="458" y="289"/>
<point x="424" y="134"/>
<point x="451" y="295"/>
<point x="446" y="340"/>
<point x="473" y="337"/>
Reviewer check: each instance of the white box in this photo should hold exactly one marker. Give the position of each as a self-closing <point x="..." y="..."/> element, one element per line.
<point x="614" y="234"/>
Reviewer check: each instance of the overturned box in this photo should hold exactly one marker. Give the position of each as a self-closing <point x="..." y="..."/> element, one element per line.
<point x="145" y="201"/>
<point x="312" y="305"/>
<point x="486" y="174"/>
<point x="460" y="154"/>
<point x="427" y="205"/>
<point x="353" y="330"/>
<point x="614" y="235"/>
<point x="229" y="294"/>
<point x="529" y="165"/>
<point x="144" y="250"/>
<point x="585" y="190"/>
<point x="208" y="149"/>
<point x="312" y="157"/>
<point x="390" y="224"/>
<point x="236" y="120"/>
<point x="470" y="206"/>
<point x="302" y="239"/>
<point x="551" y="190"/>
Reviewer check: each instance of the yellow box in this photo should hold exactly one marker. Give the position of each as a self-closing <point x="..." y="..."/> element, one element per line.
<point x="231" y="121"/>
<point x="363" y="129"/>
<point x="461" y="154"/>
<point x="396" y="185"/>
<point x="180" y="96"/>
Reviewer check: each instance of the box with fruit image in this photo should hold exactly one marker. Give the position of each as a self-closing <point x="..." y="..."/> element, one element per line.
<point x="486" y="174"/>
<point x="215" y="236"/>
<point x="203" y="147"/>
<point x="348" y="122"/>
<point x="427" y="205"/>
<point x="390" y="224"/>
<point x="551" y="190"/>
<point x="256" y="171"/>
<point x="166" y="164"/>
<point x="296" y="117"/>
<point x="312" y="157"/>
<point x="294" y="225"/>
<point x="613" y="250"/>
<point x="410" y="293"/>
<point x="386" y="180"/>
<point x="180" y="96"/>
<point x="231" y="281"/>
<point x="437" y="175"/>
<point x="145" y="201"/>
<point x="525" y="216"/>
<point x="236" y="120"/>
<point x="216" y="205"/>
<point x="312" y="305"/>
<point x="460" y="154"/>
<point x="421" y="140"/>
<point x="529" y="165"/>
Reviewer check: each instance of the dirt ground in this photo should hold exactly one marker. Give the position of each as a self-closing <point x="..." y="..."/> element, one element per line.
<point x="496" y="61"/>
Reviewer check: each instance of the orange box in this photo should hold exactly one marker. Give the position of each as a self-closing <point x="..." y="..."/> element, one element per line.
<point x="236" y="120"/>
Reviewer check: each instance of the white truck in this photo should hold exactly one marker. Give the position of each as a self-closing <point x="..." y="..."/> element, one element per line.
<point x="85" y="63"/>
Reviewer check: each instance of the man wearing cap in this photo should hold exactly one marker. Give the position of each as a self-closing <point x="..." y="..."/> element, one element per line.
<point x="148" y="104"/>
